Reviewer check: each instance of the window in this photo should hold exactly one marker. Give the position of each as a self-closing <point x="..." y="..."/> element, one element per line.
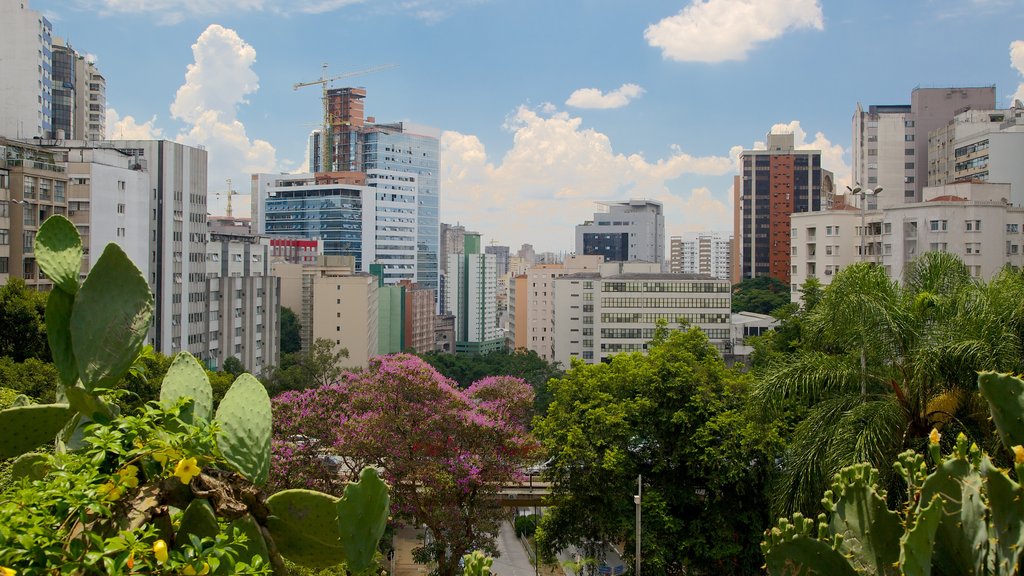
<point x="972" y="247"/>
<point x="4" y="238"/>
<point x="938" y="225"/>
<point x="120" y="208"/>
<point x="937" y="246"/>
<point x="887" y="228"/>
<point x="1013" y="228"/>
<point x="972" y="225"/>
<point x="828" y="230"/>
<point x="828" y="250"/>
<point x="908" y="137"/>
<point x="120" y="232"/>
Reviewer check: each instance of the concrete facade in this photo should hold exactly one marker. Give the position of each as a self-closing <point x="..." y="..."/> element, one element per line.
<point x="702" y="253"/>
<point x="630" y="231"/>
<point x="26" y="41"/>
<point x="537" y="299"/>
<point x="599" y="314"/>
<point x="470" y="293"/>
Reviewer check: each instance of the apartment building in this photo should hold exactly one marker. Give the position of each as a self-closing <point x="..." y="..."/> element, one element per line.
<point x="980" y="146"/>
<point x="633" y="230"/>
<point x="26" y="92"/>
<point x="614" y="310"/>
<point x="470" y="293"/>
<point x="702" y="253"/>
<point x="969" y="219"/>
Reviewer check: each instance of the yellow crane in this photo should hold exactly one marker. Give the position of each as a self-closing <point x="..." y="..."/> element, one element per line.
<point x="325" y="134"/>
<point x="231" y="192"/>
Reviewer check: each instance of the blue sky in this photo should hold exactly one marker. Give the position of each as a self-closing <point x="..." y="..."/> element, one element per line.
<point x="545" y="106"/>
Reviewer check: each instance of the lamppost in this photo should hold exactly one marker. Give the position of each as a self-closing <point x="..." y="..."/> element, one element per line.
<point x="863" y="192"/>
<point x="636" y="500"/>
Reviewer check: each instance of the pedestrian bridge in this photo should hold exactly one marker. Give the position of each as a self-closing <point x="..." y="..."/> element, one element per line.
<point x="522" y="494"/>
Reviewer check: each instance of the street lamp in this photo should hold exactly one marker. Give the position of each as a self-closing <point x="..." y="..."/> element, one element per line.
<point x="863" y="193"/>
<point x="636" y="500"/>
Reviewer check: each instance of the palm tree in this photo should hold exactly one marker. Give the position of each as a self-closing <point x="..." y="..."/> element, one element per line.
<point x="881" y="364"/>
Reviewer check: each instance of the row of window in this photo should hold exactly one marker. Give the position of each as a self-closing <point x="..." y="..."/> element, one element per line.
<point x="670" y="317"/>
<point x="665" y="302"/>
<point x="667" y="286"/>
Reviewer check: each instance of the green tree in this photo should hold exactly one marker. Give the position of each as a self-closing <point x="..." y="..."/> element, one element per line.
<point x="290" y="340"/>
<point x="22" y="322"/>
<point x="880" y="364"/>
<point x="233" y="365"/>
<point x="762" y="295"/>
<point x="33" y="378"/>
<point x="320" y="366"/>
<point x="677" y="417"/>
<point x="521" y="363"/>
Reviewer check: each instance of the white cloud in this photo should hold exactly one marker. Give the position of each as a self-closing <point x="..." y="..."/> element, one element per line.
<point x="548" y="182"/>
<point x="128" y="128"/>
<point x="1017" y="62"/>
<point x="216" y="83"/>
<point x="169" y="12"/>
<point x="718" y="30"/>
<point x="594" y="98"/>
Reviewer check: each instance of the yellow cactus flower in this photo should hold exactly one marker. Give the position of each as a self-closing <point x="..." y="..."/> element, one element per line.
<point x="934" y="437"/>
<point x="1018" y="454"/>
<point x="110" y="491"/>
<point x="5" y="571"/>
<point x="186" y="470"/>
<point x="129" y="476"/>
<point x="190" y="571"/>
<point x="160" y="551"/>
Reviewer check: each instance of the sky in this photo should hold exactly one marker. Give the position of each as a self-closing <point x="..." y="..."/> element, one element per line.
<point x="545" y="107"/>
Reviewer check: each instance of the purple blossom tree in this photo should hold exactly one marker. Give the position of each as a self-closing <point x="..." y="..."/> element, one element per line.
<point x="445" y="451"/>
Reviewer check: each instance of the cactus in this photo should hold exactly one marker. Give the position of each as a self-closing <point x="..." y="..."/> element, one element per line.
<point x="88" y="404"/>
<point x="27" y="427"/>
<point x="110" y="318"/>
<point x="1005" y="396"/>
<point x="476" y="564"/>
<point x="186" y="378"/>
<point x="244" y="437"/>
<point x="58" y="249"/>
<point x="256" y="545"/>
<point x="199" y="519"/>
<point x="964" y="517"/>
<point x="362" y="517"/>
<point x="304" y="526"/>
<point x="31" y="465"/>
<point x="58" y="335"/>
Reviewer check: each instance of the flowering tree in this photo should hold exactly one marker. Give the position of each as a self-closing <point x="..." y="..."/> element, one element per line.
<point x="445" y="451"/>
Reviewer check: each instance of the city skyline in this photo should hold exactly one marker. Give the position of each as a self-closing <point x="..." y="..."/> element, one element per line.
<point x="543" y="109"/>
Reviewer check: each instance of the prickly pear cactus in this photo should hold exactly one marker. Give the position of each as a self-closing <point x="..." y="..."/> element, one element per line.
<point x="245" y="420"/>
<point x="362" y="517"/>
<point x="304" y="525"/>
<point x="964" y="516"/>
<point x="27" y="427"/>
<point x="186" y="378"/>
<point x="476" y="564"/>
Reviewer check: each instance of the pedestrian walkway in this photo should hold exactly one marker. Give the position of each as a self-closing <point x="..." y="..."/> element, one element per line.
<point x="407" y="538"/>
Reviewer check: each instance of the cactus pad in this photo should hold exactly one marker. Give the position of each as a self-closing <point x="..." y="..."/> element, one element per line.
<point x="32" y="465"/>
<point x="199" y="519"/>
<point x="1005" y="396"/>
<point x="362" y="517"/>
<point x="245" y="427"/>
<point x="58" y="249"/>
<point x="870" y="530"/>
<point x="110" y="318"/>
<point x="805" y="556"/>
<point x="918" y="543"/>
<point x="84" y="402"/>
<point x="304" y="526"/>
<point x="1006" y="503"/>
<point x="27" y="427"/>
<point x="58" y="334"/>
<point x="186" y="378"/>
<point x="256" y="545"/>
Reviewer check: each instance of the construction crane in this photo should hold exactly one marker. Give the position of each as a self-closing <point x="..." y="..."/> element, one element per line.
<point x="231" y="192"/>
<point x="325" y="134"/>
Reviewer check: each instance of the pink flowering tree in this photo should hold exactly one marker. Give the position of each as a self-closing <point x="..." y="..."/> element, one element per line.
<point x="445" y="451"/>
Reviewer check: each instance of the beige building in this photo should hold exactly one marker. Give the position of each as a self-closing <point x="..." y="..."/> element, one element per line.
<point x="333" y="302"/>
<point x="970" y="219"/>
<point x="702" y="253"/>
<point x="532" y="308"/>
<point x="600" y="314"/>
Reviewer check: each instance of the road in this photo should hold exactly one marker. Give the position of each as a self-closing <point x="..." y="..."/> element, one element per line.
<point x="513" y="560"/>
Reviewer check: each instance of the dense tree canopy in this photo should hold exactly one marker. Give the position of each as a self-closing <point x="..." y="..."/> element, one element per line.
<point x="521" y="363"/>
<point x="762" y="295"/>
<point x="675" y="416"/>
<point x="319" y="366"/>
<point x="22" y="322"/>
<point x="444" y="450"/>
<point x="877" y="365"/>
<point x="291" y="342"/>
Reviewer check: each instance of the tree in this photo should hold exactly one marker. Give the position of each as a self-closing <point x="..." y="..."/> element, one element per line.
<point x="22" y="322"/>
<point x="290" y="340"/>
<point x="443" y="450"/>
<point x="521" y="363"/>
<point x="233" y="366"/>
<point x="880" y="365"/>
<point x="320" y="366"/>
<point x="675" y="416"/>
<point x="762" y="294"/>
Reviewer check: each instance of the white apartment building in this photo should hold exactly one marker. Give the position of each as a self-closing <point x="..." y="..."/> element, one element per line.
<point x="599" y="314"/>
<point x="982" y="146"/>
<point x="890" y="142"/>
<point x="633" y="230"/>
<point x="702" y="253"/>
<point x="969" y="219"/>
<point x="533" y="303"/>
<point x="471" y="296"/>
<point x="26" y="89"/>
<point x="242" y="302"/>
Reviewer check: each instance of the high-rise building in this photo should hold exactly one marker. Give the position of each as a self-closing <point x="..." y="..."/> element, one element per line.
<point x="980" y="146"/>
<point x="702" y="253"/>
<point x="616" y="309"/>
<point x="890" y="142"/>
<point x="26" y="85"/>
<point x="775" y="183"/>
<point x="470" y="286"/>
<point x="630" y="231"/>
<point x="5" y="216"/>
<point x="79" y="96"/>
<point x="501" y="257"/>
